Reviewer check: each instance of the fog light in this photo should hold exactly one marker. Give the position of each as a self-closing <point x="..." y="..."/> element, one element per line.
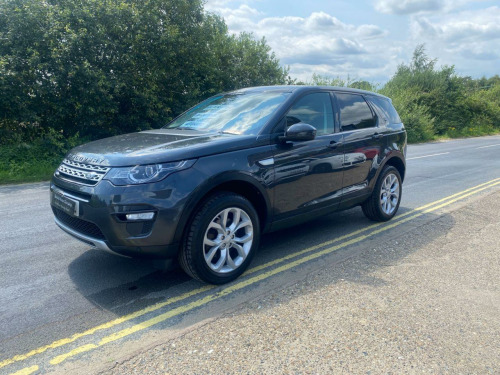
<point x="140" y="216"/>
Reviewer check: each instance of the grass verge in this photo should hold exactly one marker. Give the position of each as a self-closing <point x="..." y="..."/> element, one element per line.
<point x="28" y="163"/>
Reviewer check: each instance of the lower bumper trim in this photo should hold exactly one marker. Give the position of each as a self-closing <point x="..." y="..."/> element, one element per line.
<point x="99" y="244"/>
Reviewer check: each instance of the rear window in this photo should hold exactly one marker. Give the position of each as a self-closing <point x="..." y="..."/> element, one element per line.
<point x="385" y="109"/>
<point x="354" y="112"/>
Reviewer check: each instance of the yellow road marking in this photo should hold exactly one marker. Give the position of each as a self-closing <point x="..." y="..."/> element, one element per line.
<point x="139" y="313"/>
<point x="80" y="349"/>
<point x="107" y="325"/>
<point x="362" y="230"/>
<point x="26" y="371"/>
<point x="392" y="225"/>
<point x="242" y="284"/>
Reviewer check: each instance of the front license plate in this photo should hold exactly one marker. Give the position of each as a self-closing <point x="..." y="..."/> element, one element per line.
<point x="65" y="204"/>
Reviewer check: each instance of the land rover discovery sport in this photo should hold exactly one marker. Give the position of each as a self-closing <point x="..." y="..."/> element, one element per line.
<point x="203" y="188"/>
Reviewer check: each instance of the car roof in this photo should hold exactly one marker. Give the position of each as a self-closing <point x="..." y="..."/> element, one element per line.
<point x="303" y="88"/>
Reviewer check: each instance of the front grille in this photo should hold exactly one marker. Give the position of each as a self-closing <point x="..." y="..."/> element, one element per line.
<point x="86" y="174"/>
<point x="81" y="226"/>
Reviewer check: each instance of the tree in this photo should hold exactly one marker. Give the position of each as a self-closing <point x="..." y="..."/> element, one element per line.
<point x="103" y="67"/>
<point x="437" y="95"/>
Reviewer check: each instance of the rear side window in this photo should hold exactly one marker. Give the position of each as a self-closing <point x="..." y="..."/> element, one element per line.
<point x="385" y="108"/>
<point x="354" y="112"/>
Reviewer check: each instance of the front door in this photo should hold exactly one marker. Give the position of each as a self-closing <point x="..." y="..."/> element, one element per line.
<point x="308" y="174"/>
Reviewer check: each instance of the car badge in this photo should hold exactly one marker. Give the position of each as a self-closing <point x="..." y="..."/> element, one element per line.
<point x="91" y="175"/>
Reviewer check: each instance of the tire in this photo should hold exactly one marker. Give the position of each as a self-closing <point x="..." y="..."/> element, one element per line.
<point x="216" y="252"/>
<point x="378" y="207"/>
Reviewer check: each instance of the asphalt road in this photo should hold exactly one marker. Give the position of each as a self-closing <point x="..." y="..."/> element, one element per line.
<point x="62" y="305"/>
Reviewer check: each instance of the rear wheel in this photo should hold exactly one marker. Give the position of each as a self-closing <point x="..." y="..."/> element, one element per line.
<point x="386" y="196"/>
<point x="221" y="239"/>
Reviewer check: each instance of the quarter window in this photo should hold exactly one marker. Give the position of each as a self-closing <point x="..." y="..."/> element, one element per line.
<point x="313" y="109"/>
<point x="354" y="112"/>
<point x="385" y="107"/>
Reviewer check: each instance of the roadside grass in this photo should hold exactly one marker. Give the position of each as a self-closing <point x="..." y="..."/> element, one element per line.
<point x="37" y="160"/>
<point x="469" y="132"/>
<point x="27" y="172"/>
<point x="28" y="163"/>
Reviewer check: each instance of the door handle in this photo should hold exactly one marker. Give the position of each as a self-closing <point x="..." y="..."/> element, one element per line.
<point x="377" y="136"/>
<point x="334" y="144"/>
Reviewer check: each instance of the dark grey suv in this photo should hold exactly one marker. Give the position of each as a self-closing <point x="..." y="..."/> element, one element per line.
<point x="203" y="188"/>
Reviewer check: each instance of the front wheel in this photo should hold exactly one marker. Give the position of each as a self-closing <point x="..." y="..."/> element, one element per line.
<point x="386" y="196"/>
<point x="221" y="240"/>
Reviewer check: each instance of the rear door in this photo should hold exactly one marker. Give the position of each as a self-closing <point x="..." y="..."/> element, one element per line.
<point x="308" y="174"/>
<point x="363" y="144"/>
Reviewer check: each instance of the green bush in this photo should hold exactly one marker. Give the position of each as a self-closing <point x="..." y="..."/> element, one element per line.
<point x="437" y="103"/>
<point x="418" y="123"/>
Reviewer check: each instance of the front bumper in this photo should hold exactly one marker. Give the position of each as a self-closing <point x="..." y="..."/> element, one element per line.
<point x="98" y="216"/>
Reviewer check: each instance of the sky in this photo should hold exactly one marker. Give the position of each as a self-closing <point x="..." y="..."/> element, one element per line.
<point x="368" y="39"/>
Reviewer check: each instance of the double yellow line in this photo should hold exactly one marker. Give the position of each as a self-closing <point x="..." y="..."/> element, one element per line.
<point x="343" y="241"/>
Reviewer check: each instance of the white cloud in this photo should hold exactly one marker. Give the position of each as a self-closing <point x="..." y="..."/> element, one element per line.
<point x="371" y="31"/>
<point x="319" y="43"/>
<point x="409" y="6"/>
<point x="324" y="44"/>
<point x="468" y="39"/>
<point x="244" y="11"/>
<point x="479" y="26"/>
<point x="322" y="21"/>
<point x="238" y="19"/>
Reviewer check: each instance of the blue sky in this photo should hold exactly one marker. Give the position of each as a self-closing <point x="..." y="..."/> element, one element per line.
<point x="368" y="39"/>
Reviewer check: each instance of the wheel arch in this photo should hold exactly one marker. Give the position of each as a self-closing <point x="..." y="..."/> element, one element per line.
<point x="237" y="183"/>
<point x="397" y="161"/>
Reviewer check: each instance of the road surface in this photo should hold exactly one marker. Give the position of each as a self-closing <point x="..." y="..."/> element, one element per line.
<point x="63" y="305"/>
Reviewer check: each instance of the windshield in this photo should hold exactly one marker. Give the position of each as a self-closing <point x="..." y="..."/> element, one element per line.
<point x="235" y="113"/>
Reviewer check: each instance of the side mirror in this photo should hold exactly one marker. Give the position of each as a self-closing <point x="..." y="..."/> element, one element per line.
<point x="299" y="132"/>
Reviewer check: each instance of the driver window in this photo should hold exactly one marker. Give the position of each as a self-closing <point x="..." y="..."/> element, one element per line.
<point x="313" y="109"/>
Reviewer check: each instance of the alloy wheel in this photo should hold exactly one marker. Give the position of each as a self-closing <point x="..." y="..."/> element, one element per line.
<point x="389" y="194"/>
<point x="228" y="240"/>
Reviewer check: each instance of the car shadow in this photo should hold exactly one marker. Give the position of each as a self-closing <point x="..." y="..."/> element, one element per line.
<point x="120" y="284"/>
<point x="123" y="285"/>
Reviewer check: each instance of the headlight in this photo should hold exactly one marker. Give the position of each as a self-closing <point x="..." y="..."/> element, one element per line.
<point x="142" y="174"/>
